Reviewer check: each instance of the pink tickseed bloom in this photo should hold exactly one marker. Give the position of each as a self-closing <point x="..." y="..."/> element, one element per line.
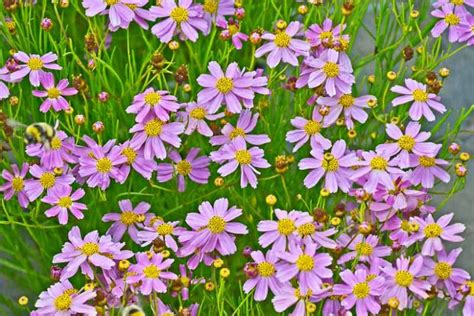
<point x="64" y="200"/>
<point x="232" y="31"/>
<point x="153" y="104"/>
<point x="468" y="308"/>
<point x="213" y="226"/>
<point x="137" y="161"/>
<point x="4" y="76"/>
<point x="15" y="184"/>
<point x="351" y="107"/>
<point x="324" y="35"/>
<point x="308" y="234"/>
<point x="282" y="231"/>
<point x="451" y="17"/>
<point x="359" y="291"/>
<point x="118" y="10"/>
<point x="308" y="130"/>
<point x="33" y="65"/>
<point x="331" y="70"/>
<point x="335" y="166"/>
<point x="427" y="168"/>
<point x="62" y="299"/>
<point x="245" y="124"/>
<point x="434" y="232"/>
<point x="182" y="19"/>
<point x="152" y="134"/>
<point x="403" y="277"/>
<point x="229" y="88"/>
<point x="412" y="141"/>
<point x="236" y="154"/>
<point x="305" y="265"/>
<point x="46" y="179"/>
<point x="129" y="220"/>
<point x="140" y="15"/>
<point x="366" y="249"/>
<point x="216" y="10"/>
<point x="151" y="272"/>
<point x="378" y="168"/>
<point x="423" y="101"/>
<point x="441" y="271"/>
<point x="54" y="94"/>
<point x="196" y="168"/>
<point x="283" y="46"/>
<point x="289" y="296"/>
<point x="266" y="276"/>
<point x="195" y="118"/>
<point x="401" y="197"/>
<point x="466" y="30"/>
<point x="400" y="229"/>
<point x="92" y="251"/>
<point x="159" y="229"/>
<point x="57" y="153"/>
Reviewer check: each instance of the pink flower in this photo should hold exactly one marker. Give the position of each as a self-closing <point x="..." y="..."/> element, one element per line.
<point x="4" y="76"/>
<point x="195" y="118"/>
<point x="450" y="18"/>
<point x="140" y="15"/>
<point x="427" y="168"/>
<point x="137" y="161"/>
<point x="64" y="200"/>
<point x="232" y="30"/>
<point x="33" y="65"/>
<point x="57" y="154"/>
<point x="324" y="35"/>
<point x="15" y="184"/>
<point x="308" y="130"/>
<point x="466" y="30"/>
<point x="153" y="104"/>
<point x="55" y="94"/>
<point x="365" y="249"/>
<point x="156" y="228"/>
<point x="119" y="11"/>
<point x="289" y="296"/>
<point x="46" y="179"/>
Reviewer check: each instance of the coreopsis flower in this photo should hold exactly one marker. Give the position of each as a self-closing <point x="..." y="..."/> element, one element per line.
<point x="329" y="70"/>
<point x="119" y="11"/>
<point x="33" y="66"/>
<point x="308" y="130"/>
<point x="196" y="168"/>
<point x="54" y="94"/>
<point x="230" y="88"/>
<point x="216" y="10"/>
<point x="366" y="249"/>
<point x="64" y="201"/>
<point x="235" y="155"/>
<point x="151" y="135"/>
<point x="324" y="35"/>
<point x="423" y="101"/>
<point x="15" y="184"/>
<point x="427" y="168"/>
<point x="305" y="265"/>
<point x="62" y="298"/>
<point x="281" y="232"/>
<point x="195" y="118"/>
<point x="450" y="17"/>
<point x="307" y="234"/>
<point x="136" y="160"/>
<point x="266" y="276"/>
<point x="151" y="273"/>
<point x="351" y="107"/>
<point x="434" y="232"/>
<point x="141" y="16"/>
<point x="153" y="104"/>
<point x="335" y="166"/>
<point x="45" y="179"/>
<point x="232" y="31"/>
<point x="213" y="227"/>
<point x="156" y="228"/>
<point x="442" y="271"/>
<point x="401" y="197"/>
<point x="130" y="220"/>
<point x="57" y="154"/>
<point x="182" y="19"/>
<point x="283" y="46"/>
<point x="405" y="275"/>
<point x="468" y="308"/>
<point x="4" y="76"/>
<point x="245" y="125"/>
<point x="412" y="141"/>
<point x="465" y="30"/>
<point x="400" y="229"/>
<point x="360" y="291"/>
<point x="378" y="168"/>
<point x="92" y="251"/>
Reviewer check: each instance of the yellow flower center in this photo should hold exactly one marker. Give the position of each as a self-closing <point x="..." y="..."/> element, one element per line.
<point x="305" y="263"/>
<point x="286" y="226"/>
<point x="427" y="161"/>
<point x="432" y="230"/>
<point x="420" y="95"/>
<point x="111" y="2"/>
<point x="224" y="85"/>
<point x="131" y="6"/>
<point x="90" y="248"/>
<point x="443" y="270"/>
<point x="179" y="14"/>
<point x="130" y="153"/>
<point x="331" y="69"/>
<point x="216" y="225"/>
<point x="325" y="35"/>
<point x="403" y="278"/>
<point x="35" y="63"/>
<point x="364" y="249"/>
<point x="183" y="167"/>
<point x="152" y="98"/>
<point x="236" y="132"/>
<point x="128" y="218"/>
<point x="47" y="180"/>
<point x="452" y="19"/>
<point x="330" y="163"/>
<point x="198" y="113"/>
<point x="406" y="142"/>
<point x="457" y="2"/>
<point x="103" y="165"/>
<point x="300" y="296"/>
<point x="405" y="226"/>
<point x="378" y="163"/>
<point x="153" y="127"/>
<point x="63" y="302"/>
<point x="470" y="284"/>
<point x="211" y="6"/>
<point x="164" y="229"/>
<point x="282" y="39"/>
<point x="346" y="101"/>
<point x="361" y="290"/>
<point x="56" y="143"/>
<point x="306" y="229"/>
<point x="243" y="157"/>
<point x="312" y="127"/>
<point x="151" y="271"/>
<point x="65" y="201"/>
<point x="18" y="184"/>
<point x="233" y="28"/>
<point x="265" y="269"/>
<point x="53" y="93"/>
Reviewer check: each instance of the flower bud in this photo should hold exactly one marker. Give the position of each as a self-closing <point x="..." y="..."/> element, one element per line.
<point x="219" y="181"/>
<point x="371" y="79"/>
<point x="98" y="127"/>
<point x="91" y="64"/>
<point x="255" y="38"/>
<point x="302" y="9"/>
<point x="173" y="45"/>
<point x="247" y="251"/>
<point x="23" y="300"/>
<point x="393" y="302"/>
<point x="320" y="215"/>
<point x="103" y="97"/>
<point x="324" y="110"/>
<point x="365" y="228"/>
<point x="79" y="119"/>
<point x="250" y="270"/>
<point x="240" y="13"/>
<point x="224" y="273"/>
<point x="351" y="133"/>
<point x="281" y="24"/>
<point x="335" y="221"/>
<point x="454" y="148"/>
<point x="414" y="14"/>
<point x="46" y="24"/>
<point x="187" y="87"/>
<point x="55" y="273"/>
<point x="464" y="156"/>
<point x="407" y="53"/>
<point x="13" y="101"/>
<point x="444" y="72"/>
<point x="11" y="26"/>
<point x="123" y="265"/>
<point x="270" y="199"/>
<point x="218" y="263"/>
<point x="461" y="170"/>
<point x="391" y="75"/>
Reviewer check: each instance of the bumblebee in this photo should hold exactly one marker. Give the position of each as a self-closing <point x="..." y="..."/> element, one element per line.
<point x="133" y="310"/>
<point x="36" y="133"/>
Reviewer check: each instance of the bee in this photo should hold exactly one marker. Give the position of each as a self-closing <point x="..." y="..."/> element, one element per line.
<point x="36" y="133"/>
<point x="133" y="310"/>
